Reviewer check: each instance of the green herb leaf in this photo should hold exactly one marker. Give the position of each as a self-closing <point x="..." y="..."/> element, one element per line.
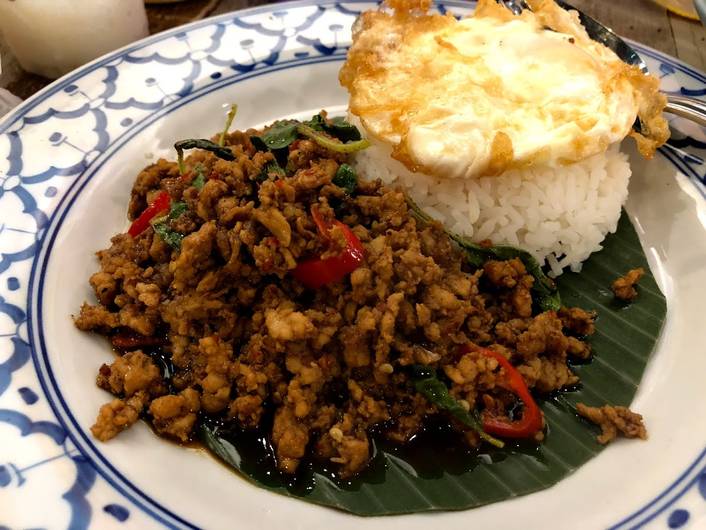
<point x="200" y="180"/>
<point x="280" y="134"/>
<point x="274" y="167"/>
<point x="346" y="178"/>
<point x="169" y="236"/>
<point x="337" y="127"/>
<point x="344" y="131"/>
<point x="201" y="143"/>
<point x="546" y="294"/>
<point x="428" y="384"/>
<point x="259" y="144"/>
<point x="417" y="212"/>
<point x="161" y="225"/>
<point x="317" y="122"/>
<point x="271" y="168"/>
<point x="176" y="210"/>
<point x="329" y="143"/>
<point x="326" y="133"/>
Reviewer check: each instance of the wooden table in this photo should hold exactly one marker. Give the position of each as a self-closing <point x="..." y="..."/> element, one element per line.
<point x="640" y="20"/>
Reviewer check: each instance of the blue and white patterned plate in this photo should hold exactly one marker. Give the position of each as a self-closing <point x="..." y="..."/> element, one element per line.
<point x="67" y="160"/>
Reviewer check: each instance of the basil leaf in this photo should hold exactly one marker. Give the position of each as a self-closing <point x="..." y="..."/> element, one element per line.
<point x="200" y="143"/>
<point x="169" y="236"/>
<point x="428" y="384"/>
<point x="199" y="181"/>
<point x="258" y="144"/>
<point x="317" y="122"/>
<point x="333" y="144"/>
<point x="176" y="210"/>
<point x="207" y="145"/>
<point x="344" y="131"/>
<point x="274" y="167"/>
<point x="161" y="225"/>
<point x="346" y="178"/>
<point x="271" y="168"/>
<point x="280" y="134"/>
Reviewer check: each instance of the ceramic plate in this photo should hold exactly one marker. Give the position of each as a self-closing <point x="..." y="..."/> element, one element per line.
<point x="68" y="158"/>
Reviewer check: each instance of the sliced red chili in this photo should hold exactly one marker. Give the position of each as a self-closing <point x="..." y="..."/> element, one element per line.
<point x="317" y="272"/>
<point x="126" y="340"/>
<point x="160" y="204"/>
<point x="531" y="421"/>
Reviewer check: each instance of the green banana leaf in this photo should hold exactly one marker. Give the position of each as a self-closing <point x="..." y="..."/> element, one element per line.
<point x="438" y="472"/>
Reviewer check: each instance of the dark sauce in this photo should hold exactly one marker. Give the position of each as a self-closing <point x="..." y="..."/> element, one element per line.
<point x="255" y="453"/>
<point x="436" y="451"/>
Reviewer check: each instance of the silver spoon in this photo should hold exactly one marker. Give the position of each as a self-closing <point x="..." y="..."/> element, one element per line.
<point x="690" y="108"/>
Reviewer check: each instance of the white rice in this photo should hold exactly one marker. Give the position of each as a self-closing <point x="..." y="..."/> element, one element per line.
<point x="559" y="215"/>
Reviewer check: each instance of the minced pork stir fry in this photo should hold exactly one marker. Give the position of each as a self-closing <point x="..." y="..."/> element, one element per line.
<point x="274" y="280"/>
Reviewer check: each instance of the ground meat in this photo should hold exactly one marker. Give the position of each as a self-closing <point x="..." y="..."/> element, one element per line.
<point x="290" y="437"/>
<point x="215" y="383"/>
<point x="131" y="373"/>
<point x="504" y="273"/>
<point x="353" y="453"/>
<point x="105" y="287"/>
<point x="247" y="409"/>
<point x="577" y="320"/>
<point x="194" y="257"/>
<point x="544" y="335"/>
<point x="285" y="324"/>
<point x="96" y="318"/>
<point x="624" y="287"/>
<point x="149" y="294"/>
<point x="345" y="444"/>
<point x="118" y="415"/>
<point x="409" y="415"/>
<point x="317" y="369"/>
<point x="473" y="371"/>
<point x="143" y="321"/>
<point x="578" y="349"/>
<point x="175" y="415"/>
<point x="553" y="374"/>
<point x="614" y="421"/>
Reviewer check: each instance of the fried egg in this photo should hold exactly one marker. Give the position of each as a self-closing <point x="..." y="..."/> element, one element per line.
<point x="494" y="91"/>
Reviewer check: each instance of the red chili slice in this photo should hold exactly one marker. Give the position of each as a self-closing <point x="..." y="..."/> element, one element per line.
<point x="531" y="421"/>
<point x="317" y="272"/>
<point x="160" y="204"/>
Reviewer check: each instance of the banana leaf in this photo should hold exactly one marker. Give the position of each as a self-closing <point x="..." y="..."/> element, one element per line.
<point x="437" y="472"/>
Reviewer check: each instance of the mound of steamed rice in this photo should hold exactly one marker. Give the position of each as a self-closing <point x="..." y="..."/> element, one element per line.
<point x="559" y="215"/>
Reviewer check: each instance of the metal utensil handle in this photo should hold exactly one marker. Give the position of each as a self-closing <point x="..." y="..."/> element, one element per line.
<point x="689" y="108"/>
